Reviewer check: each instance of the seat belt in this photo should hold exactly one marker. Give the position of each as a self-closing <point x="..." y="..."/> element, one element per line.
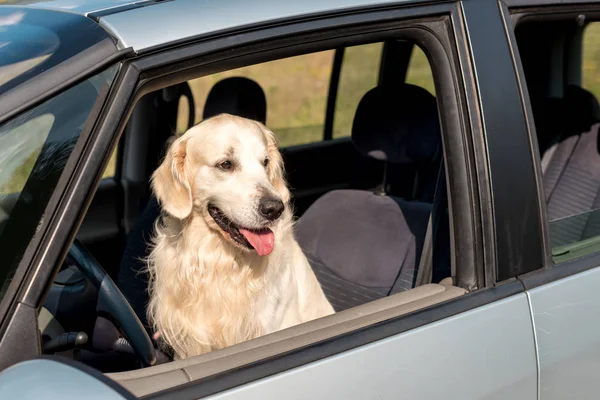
<point x="440" y="201"/>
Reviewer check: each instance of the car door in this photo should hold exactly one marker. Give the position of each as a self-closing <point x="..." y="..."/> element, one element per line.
<point x="482" y="351"/>
<point x="563" y="294"/>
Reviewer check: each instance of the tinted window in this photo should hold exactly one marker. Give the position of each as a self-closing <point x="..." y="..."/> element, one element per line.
<point x="574" y="206"/>
<point x="34" y="148"/>
<point x="564" y="94"/>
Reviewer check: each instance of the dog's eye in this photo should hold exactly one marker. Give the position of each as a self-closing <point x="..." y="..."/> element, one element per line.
<point x="266" y="162"/>
<point x="225" y="165"/>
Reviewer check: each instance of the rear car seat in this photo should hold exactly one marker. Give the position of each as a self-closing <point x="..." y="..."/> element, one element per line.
<point x="571" y="169"/>
<point x="365" y="245"/>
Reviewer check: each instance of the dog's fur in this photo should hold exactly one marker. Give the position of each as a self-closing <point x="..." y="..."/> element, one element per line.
<point x="208" y="291"/>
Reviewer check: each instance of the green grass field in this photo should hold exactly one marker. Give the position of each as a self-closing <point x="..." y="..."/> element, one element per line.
<point x="296" y="89"/>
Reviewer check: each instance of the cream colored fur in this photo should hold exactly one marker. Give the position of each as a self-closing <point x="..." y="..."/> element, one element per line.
<point x="206" y="291"/>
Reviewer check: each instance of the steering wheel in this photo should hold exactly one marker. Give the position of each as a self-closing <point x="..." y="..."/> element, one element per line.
<point x="112" y="302"/>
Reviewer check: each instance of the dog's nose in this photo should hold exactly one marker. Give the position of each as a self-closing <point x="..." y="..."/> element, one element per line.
<point x="271" y="208"/>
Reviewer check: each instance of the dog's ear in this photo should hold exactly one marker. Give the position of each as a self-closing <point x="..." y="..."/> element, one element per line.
<point x="276" y="168"/>
<point x="170" y="181"/>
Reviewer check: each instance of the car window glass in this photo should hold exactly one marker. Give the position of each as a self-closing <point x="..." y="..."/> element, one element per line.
<point x="574" y="216"/>
<point x="567" y="130"/>
<point x="34" y="148"/>
<point x="590" y="67"/>
<point x="359" y="74"/>
<point x="296" y="91"/>
<point x="419" y="71"/>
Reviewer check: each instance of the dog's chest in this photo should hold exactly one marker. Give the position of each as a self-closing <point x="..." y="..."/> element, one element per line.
<point x="237" y="313"/>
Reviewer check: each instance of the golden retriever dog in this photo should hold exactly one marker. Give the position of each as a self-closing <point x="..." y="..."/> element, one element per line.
<point x="225" y="266"/>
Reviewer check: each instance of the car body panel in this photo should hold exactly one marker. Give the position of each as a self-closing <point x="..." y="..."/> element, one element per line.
<point x="48" y="379"/>
<point x="566" y="314"/>
<point x="490" y="347"/>
<point x="82" y="7"/>
<point x="149" y="27"/>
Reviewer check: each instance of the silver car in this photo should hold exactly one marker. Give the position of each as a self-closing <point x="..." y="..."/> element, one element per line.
<point x="443" y="158"/>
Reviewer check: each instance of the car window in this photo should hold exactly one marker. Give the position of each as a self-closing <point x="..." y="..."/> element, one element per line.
<point x="34" y="148"/>
<point x="567" y="129"/>
<point x="574" y="212"/>
<point x="419" y="71"/>
<point x="296" y="91"/>
<point x="590" y="67"/>
<point x="359" y="74"/>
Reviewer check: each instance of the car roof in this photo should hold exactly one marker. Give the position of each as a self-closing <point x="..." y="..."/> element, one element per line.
<point x="82" y="7"/>
<point x="166" y="22"/>
<point x="150" y="24"/>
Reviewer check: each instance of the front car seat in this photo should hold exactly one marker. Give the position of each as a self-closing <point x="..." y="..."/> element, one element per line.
<point x="364" y="245"/>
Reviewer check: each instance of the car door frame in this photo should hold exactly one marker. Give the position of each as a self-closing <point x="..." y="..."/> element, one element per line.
<point x="157" y="66"/>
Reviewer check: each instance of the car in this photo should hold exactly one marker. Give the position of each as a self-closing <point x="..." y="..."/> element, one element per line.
<point x="443" y="160"/>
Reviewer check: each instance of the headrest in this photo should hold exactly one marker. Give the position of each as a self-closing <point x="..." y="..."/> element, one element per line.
<point x="582" y="110"/>
<point x="397" y="124"/>
<point x="237" y="96"/>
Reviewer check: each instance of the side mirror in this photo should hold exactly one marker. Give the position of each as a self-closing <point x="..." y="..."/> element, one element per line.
<point x="57" y="378"/>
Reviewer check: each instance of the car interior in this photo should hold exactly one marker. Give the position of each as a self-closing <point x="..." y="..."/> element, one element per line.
<point x="563" y="94"/>
<point x="363" y="196"/>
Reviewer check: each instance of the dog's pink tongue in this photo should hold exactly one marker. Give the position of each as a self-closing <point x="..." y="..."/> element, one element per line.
<point x="263" y="241"/>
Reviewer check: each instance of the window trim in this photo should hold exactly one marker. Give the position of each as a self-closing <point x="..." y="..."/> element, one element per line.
<point x="334" y="83"/>
<point x="164" y="69"/>
<point x="516" y="11"/>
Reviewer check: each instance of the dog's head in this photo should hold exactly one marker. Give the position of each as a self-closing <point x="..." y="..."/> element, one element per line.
<point x="228" y="171"/>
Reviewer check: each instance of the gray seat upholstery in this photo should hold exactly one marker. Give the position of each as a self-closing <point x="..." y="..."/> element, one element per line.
<point x="571" y="168"/>
<point x="238" y="96"/>
<point x="364" y="245"/>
